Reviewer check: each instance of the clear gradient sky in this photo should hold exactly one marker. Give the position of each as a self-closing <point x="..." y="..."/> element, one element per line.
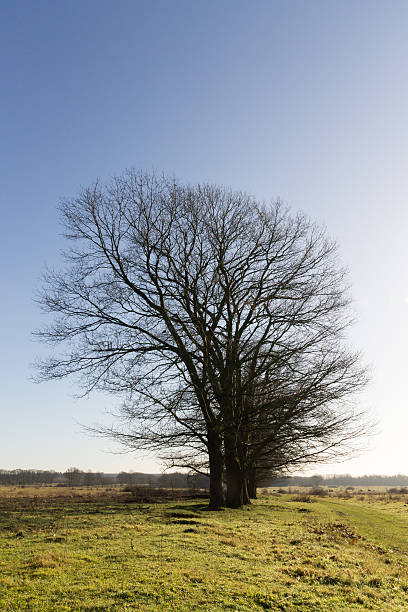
<point x="306" y="101"/>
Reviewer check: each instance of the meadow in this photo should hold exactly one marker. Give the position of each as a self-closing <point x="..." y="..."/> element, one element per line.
<point x="108" y="549"/>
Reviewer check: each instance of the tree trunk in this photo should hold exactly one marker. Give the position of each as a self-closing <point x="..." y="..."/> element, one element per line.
<point x="216" y="461"/>
<point x="233" y="469"/>
<point x="235" y="479"/>
<point x="245" y="494"/>
<point x="252" y="484"/>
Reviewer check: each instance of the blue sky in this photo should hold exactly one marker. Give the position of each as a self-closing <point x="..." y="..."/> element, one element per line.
<point x="306" y="101"/>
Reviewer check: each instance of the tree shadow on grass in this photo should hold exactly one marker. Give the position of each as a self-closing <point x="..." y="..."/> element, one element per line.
<point x="197" y="507"/>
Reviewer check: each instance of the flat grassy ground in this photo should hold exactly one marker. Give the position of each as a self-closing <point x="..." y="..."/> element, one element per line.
<point x="66" y="549"/>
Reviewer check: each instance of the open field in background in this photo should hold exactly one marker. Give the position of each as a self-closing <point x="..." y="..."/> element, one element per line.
<point x="103" y="549"/>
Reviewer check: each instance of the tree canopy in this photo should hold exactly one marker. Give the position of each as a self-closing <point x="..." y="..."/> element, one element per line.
<point x="219" y="319"/>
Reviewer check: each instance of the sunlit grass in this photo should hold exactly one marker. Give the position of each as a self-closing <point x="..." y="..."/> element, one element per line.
<point x="278" y="554"/>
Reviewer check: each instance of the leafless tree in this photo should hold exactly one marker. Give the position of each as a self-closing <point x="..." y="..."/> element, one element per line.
<point x="301" y="412"/>
<point x="207" y="310"/>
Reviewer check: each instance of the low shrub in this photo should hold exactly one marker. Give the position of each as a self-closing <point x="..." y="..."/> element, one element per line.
<point x="302" y="497"/>
<point x="396" y="490"/>
<point x="319" y="492"/>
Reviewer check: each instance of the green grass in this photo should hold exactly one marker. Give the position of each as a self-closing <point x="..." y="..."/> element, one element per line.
<point x="104" y="553"/>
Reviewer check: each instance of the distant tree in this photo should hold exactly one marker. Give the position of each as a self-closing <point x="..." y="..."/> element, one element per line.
<point x="74" y="477"/>
<point x="90" y="478"/>
<point x="122" y="478"/>
<point x="186" y="298"/>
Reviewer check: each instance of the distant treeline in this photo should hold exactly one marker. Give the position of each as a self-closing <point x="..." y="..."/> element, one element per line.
<point x="75" y="477"/>
<point x="179" y="480"/>
<point x="342" y="480"/>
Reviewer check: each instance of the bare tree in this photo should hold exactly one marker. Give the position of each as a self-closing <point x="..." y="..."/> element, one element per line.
<point x="195" y="301"/>
<point x="300" y="412"/>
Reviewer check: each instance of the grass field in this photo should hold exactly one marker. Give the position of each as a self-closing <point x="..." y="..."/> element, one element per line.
<point x="66" y="549"/>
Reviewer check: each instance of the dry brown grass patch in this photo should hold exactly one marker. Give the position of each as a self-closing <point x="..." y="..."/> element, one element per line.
<point x="46" y="560"/>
